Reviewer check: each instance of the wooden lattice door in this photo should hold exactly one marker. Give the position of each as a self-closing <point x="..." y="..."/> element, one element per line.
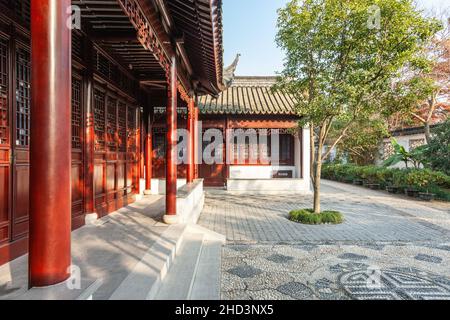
<point x="21" y="143"/>
<point x="5" y="143"/>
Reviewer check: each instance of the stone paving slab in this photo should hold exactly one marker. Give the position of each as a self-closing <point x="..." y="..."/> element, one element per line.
<point x="107" y="251"/>
<point x="264" y="218"/>
<point x="388" y="247"/>
<point x="330" y="272"/>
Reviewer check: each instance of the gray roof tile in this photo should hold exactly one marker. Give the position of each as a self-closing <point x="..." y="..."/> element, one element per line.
<point x="249" y="95"/>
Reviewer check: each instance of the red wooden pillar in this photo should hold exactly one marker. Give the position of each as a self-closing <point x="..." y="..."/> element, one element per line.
<point x="138" y="152"/>
<point x="196" y="142"/>
<point x="191" y="129"/>
<point x="171" y="146"/>
<point x="50" y="150"/>
<point x="89" y="140"/>
<point x="148" y="156"/>
<point x="142" y="144"/>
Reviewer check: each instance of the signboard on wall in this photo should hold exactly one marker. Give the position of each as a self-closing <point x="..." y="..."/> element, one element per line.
<point x="282" y="174"/>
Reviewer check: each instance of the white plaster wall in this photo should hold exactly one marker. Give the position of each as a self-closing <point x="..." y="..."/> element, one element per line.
<point x="266" y="172"/>
<point x="190" y="206"/>
<point x="159" y="185"/>
<point x="267" y="186"/>
<point x="403" y="141"/>
<point x="258" y="172"/>
<point x="258" y="179"/>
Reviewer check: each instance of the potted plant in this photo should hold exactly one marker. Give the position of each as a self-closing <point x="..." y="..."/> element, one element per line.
<point x="348" y="180"/>
<point x="426" y="196"/>
<point x="411" y="192"/>
<point x="392" y="189"/>
<point x="373" y="186"/>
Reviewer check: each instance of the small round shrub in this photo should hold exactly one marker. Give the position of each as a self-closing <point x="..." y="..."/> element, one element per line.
<point x="307" y="216"/>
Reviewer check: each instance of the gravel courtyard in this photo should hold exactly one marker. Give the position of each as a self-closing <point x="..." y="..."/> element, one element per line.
<point x="387" y="248"/>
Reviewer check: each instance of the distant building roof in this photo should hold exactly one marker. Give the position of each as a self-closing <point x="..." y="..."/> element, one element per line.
<point x="249" y="95"/>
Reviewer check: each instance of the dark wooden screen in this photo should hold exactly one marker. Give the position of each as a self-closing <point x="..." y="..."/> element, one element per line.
<point x="115" y="150"/>
<point x="4" y="142"/>
<point x="122" y="129"/>
<point x="23" y="97"/>
<point x="77" y="153"/>
<point x="22" y="142"/>
<point x="99" y="120"/>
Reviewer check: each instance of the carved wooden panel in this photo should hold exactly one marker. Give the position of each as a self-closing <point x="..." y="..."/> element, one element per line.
<point x="99" y="120"/>
<point x="110" y="177"/>
<point x="98" y="179"/>
<point x="77" y="187"/>
<point x="111" y="124"/>
<point x="130" y="175"/>
<point x="132" y="129"/>
<point x="122" y="127"/>
<point x="121" y="176"/>
<point x="77" y="114"/>
<point x="23" y="97"/>
<point x="21" y="201"/>
<point x="4" y="92"/>
<point x="4" y="203"/>
<point x="146" y="35"/>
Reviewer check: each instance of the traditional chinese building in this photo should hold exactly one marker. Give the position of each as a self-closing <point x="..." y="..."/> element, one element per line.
<point x="76" y="99"/>
<point x="92" y="94"/>
<point x="251" y="106"/>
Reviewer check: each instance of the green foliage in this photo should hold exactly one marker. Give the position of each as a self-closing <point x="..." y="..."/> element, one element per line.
<point x="336" y="65"/>
<point x="360" y="145"/>
<point x="415" y="156"/>
<point x="420" y="179"/>
<point x="339" y="68"/>
<point x="437" y="152"/>
<point x="307" y="216"/>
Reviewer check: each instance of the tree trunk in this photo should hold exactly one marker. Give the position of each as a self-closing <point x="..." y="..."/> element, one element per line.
<point x="427" y="132"/>
<point x="317" y="177"/>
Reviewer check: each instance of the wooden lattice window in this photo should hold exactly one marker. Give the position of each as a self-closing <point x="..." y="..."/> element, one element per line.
<point x="21" y="9"/>
<point x="99" y="120"/>
<point x="131" y="129"/>
<point x="388" y="150"/>
<point x="415" y="143"/>
<point x="4" y="90"/>
<point x="111" y="124"/>
<point x="111" y="71"/>
<point x="77" y="114"/>
<point x="122" y="129"/>
<point x="23" y="98"/>
<point x="77" y="45"/>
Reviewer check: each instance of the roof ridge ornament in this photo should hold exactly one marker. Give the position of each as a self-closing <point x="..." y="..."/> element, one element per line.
<point x="228" y="72"/>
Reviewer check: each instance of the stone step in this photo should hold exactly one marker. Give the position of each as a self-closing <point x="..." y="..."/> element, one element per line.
<point x="68" y="290"/>
<point x="206" y="284"/>
<point x="144" y="281"/>
<point x="196" y="273"/>
<point x="178" y="283"/>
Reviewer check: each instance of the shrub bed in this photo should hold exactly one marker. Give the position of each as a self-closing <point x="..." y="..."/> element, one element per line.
<point x="307" y="216"/>
<point x="422" y="180"/>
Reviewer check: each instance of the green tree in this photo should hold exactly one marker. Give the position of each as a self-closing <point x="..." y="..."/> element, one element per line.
<point x="425" y="81"/>
<point x="360" y="144"/>
<point x="415" y="156"/>
<point x="341" y="58"/>
<point x="437" y="152"/>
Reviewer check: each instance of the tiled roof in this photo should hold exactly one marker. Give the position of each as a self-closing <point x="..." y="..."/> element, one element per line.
<point x="249" y="95"/>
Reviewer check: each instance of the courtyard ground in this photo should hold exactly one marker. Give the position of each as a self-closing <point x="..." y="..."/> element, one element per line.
<point x="389" y="247"/>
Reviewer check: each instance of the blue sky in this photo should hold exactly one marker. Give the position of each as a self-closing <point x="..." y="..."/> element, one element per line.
<point x="250" y="29"/>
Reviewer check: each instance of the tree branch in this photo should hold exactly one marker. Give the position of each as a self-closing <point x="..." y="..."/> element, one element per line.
<point x="342" y="134"/>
